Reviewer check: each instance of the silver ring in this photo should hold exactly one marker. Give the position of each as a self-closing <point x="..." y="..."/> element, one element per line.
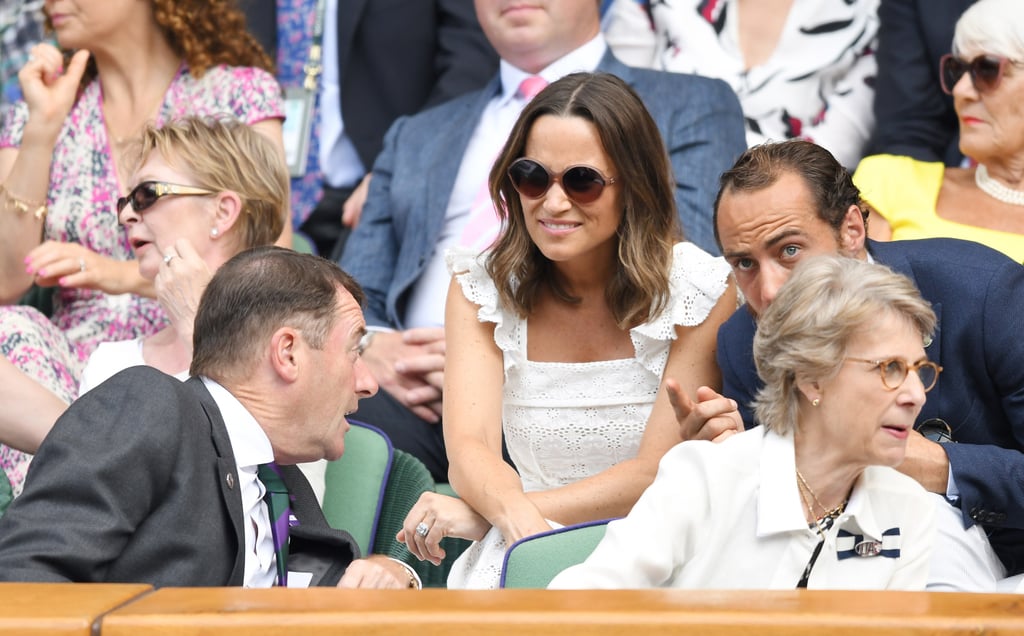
<point x="81" y="264"/>
<point x="422" y="529"/>
<point x="167" y="259"/>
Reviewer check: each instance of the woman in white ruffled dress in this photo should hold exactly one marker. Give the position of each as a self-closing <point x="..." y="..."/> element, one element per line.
<point x="560" y="336"/>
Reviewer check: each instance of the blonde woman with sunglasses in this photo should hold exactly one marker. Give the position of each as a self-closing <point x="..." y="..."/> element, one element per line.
<point x="983" y="201"/>
<point x="64" y="161"/>
<point x="560" y="335"/>
<point x="204" y="190"/>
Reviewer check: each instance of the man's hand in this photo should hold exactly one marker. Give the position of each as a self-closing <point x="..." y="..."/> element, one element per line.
<point x="926" y="461"/>
<point x="375" y="572"/>
<point x="712" y="417"/>
<point x="352" y="210"/>
<point x="410" y="366"/>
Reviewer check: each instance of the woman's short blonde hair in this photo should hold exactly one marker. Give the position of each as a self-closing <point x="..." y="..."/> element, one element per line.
<point x="228" y="155"/>
<point x="804" y="334"/>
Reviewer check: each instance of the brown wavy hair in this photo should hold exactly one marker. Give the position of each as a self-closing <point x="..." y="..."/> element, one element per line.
<point x="639" y="288"/>
<point x="205" y="33"/>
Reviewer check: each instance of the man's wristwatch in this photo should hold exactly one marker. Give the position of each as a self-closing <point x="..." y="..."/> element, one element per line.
<point x="937" y="430"/>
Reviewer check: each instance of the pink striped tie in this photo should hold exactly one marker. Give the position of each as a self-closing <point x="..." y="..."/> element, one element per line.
<point x="483" y="225"/>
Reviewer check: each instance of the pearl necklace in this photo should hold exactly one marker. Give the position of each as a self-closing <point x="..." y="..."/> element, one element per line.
<point x="996" y="190"/>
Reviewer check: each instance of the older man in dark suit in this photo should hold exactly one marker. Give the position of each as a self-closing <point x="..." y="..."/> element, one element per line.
<point x="782" y="203"/>
<point x="148" y="479"/>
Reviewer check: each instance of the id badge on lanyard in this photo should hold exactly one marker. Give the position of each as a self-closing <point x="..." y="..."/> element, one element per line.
<point x="297" y="128"/>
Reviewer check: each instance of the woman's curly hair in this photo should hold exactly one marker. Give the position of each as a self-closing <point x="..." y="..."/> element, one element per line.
<point x="205" y="33"/>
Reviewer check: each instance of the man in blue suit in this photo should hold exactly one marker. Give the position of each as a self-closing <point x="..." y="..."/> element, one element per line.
<point x="427" y="183"/>
<point x="782" y="203"/>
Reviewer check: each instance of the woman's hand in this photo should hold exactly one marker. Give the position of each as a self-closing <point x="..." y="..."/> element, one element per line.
<point x="445" y="517"/>
<point x="56" y="263"/>
<point x="48" y="88"/>
<point x="179" y="286"/>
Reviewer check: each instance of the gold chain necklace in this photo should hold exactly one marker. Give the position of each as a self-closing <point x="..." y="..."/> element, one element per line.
<point x="827" y="514"/>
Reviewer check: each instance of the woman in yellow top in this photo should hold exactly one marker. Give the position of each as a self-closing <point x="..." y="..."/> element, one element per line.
<point x="985" y="75"/>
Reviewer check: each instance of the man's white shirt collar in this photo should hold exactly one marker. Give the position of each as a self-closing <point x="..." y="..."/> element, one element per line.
<point x="585" y="58"/>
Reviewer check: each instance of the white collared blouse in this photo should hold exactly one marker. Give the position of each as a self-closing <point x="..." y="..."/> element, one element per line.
<point x="729" y="516"/>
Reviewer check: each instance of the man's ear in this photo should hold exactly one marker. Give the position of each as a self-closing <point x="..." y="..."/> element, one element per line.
<point x="283" y="349"/>
<point x="853" y="232"/>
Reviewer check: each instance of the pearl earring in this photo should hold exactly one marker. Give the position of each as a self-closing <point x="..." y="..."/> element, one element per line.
<point x="214" y="233"/>
<point x="815" y="402"/>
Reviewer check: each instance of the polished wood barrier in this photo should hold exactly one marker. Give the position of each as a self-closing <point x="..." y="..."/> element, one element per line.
<point x="226" y="611"/>
<point x="61" y="608"/>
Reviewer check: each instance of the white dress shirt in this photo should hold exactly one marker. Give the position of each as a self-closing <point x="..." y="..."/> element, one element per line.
<point x="729" y="516"/>
<point x="426" y="302"/>
<point x="251" y="447"/>
<point x="339" y="160"/>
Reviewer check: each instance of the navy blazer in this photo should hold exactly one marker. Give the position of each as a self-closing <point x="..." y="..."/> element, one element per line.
<point x="978" y="296"/>
<point x="699" y="118"/>
<point x="137" y="483"/>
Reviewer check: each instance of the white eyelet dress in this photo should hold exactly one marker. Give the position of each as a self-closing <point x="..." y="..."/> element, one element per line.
<point x="567" y="421"/>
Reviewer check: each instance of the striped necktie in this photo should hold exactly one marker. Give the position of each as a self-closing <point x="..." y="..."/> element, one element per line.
<point x="280" y="509"/>
<point x="483" y="225"/>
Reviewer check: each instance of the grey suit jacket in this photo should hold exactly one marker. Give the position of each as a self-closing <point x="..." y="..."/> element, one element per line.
<point x="137" y="483"/>
<point x="699" y="118"/>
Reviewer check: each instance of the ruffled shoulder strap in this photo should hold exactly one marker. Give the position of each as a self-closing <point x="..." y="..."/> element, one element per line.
<point x="467" y="266"/>
<point x="696" y="281"/>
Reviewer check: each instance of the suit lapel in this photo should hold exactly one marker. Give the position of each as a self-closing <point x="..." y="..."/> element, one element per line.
<point x="227" y="474"/>
<point x="451" y="143"/>
<point x="611" y="64"/>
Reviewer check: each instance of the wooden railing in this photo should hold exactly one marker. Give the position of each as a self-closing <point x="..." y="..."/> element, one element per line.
<point x="137" y="611"/>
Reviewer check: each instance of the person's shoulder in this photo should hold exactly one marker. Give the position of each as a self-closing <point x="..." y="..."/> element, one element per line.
<point x="221" y="74"/>
<point x="681" y="90"/>
<point x="942" y="254"/>
<point x="737" y="453"/>
<point x="739" y="327"/>
<point x="891" y="483"/>
<point x="443" y="112"/>
<point x="154" y="382"/>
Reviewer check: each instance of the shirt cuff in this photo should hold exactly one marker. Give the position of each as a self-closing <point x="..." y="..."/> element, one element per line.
<point x="414" y="579"/>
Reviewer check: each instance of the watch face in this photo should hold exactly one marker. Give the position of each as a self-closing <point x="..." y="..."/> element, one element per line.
<point x="937" y="430"/>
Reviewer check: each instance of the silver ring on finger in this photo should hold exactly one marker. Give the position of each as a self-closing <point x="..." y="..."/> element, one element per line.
<point x="422" y="529"/>
<point x="81" y="264"/>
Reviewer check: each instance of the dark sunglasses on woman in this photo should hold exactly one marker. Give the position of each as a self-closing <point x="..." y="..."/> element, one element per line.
<point x="147" y="193"/>
<point x="582" y="184"/>
<point x="986" y="71"/>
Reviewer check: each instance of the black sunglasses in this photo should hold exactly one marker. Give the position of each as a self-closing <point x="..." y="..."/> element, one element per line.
<point x="147" y="193"/>
<point x="582" y="184"/>
<point x="985" y="70"/>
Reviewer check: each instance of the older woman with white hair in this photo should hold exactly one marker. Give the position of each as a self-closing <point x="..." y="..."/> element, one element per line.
<point x="984" y="201"/>
<point x="810" y="499"/>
